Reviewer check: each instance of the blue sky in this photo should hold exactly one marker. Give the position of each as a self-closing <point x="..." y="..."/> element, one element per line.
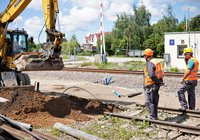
<point x="81" y="17"/>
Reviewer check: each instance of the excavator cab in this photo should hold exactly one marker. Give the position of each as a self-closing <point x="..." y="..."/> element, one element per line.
<point x="17" y="42"/>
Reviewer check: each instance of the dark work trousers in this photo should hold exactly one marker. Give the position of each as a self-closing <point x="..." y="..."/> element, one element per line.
<point x="151" y="100"/>
<point x="188" y="86"/>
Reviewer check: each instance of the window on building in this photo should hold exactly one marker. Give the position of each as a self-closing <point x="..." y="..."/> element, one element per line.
<point x="180" y="50"/>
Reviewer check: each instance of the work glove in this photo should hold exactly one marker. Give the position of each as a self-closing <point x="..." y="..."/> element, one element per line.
<point x="183" y="82"/>
<point x="161" y="83"/>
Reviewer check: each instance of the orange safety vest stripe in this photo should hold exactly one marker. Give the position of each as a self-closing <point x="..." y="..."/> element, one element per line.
<point x="194" y="72"/>
<point x="158" y="72"/>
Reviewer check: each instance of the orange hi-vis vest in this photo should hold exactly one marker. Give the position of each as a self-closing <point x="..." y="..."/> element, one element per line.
<point x="158" y="72"/>
<point x="194" y="72"/>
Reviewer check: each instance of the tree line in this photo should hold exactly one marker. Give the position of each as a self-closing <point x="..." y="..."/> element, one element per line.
<point x="131" y="32"/>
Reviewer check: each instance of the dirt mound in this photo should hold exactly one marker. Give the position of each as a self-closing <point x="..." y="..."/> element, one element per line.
<point x="42" y="110"/>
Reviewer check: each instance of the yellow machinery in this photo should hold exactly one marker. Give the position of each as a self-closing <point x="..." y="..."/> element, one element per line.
<point x="14" y="55"/>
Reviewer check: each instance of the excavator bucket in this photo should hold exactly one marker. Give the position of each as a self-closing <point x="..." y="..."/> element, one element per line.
<point x="35" y="61"/>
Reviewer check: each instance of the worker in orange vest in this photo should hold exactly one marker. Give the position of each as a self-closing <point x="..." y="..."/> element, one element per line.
<point x="189" y="81"/>
<point x="153" y="79"/>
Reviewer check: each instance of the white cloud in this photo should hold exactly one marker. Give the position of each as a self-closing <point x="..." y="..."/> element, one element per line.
<point x="157" y="8"/>
<point x="188" y="1"/>
<point x="36" y="5"/>
<point x="118" y="7"/>
<point x="78" y="18"/>
<point x="111" y="7"/>
<point x="90" y="3"/>
<point x="17" y="21"/>
<point x="191" y="8"/>
<point x="33" y="27"/>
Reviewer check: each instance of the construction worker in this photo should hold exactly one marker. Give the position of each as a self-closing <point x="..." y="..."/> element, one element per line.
<point x="153" y="79"/>
<point x="189" y="81"/>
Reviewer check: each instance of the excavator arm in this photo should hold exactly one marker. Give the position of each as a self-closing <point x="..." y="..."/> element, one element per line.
<point x="50" y="8"/>
<point x="14" y="8"/>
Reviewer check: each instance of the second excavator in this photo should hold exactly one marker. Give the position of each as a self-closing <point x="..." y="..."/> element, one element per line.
<point x="14" y="55"/>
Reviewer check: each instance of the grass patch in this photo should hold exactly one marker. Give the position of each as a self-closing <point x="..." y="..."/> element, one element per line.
<point x="106" y="65"/>
<point x="56" y="132"/>
<point x="132" y="65"/>
<point x="65" y="57"/>
<point x="114" y="128"/>
<point x="86" y="64"/>
<point x="175" y="69"/>
<point x="79" y="58"/>
<point x="135" y="65"/>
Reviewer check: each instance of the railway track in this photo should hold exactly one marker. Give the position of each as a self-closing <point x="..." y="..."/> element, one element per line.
<point x="191" y="113"/>
<point x="178" y="125"/>
<point x="115" y="71"/>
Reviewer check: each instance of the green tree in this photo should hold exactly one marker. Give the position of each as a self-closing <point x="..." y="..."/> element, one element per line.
<point x="130" y="31"/>
<point x="74" y="44"/>
<point x="70" y="45"/>
<point x="32" y="46"/>
<point x="170" y="20"/>
<point x="182" y="25"/>
<point x="195" y="23"/>
<point x="118" y="32"/>
<point x="108" y="44"/>
<point x="64" y="47"/>
<point x="142" y="28"/>
<point x="168" y="23"/>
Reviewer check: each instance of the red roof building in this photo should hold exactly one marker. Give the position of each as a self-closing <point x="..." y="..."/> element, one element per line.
<point x="90" y="41"/>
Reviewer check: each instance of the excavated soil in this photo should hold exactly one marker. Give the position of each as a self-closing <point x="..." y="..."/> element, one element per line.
<point x="42" y="110"/>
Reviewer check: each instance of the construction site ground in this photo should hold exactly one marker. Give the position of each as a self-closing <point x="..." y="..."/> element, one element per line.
<point x="81" y="103"/>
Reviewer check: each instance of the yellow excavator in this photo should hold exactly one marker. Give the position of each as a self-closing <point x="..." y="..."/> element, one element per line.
<point x="14" y="55"/>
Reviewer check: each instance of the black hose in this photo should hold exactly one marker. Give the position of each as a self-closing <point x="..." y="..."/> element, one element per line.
<point x="82" y="89"/>
<point x="40" y="35"/>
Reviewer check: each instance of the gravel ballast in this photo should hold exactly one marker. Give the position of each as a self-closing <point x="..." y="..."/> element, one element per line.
<point x="172" y="84"/>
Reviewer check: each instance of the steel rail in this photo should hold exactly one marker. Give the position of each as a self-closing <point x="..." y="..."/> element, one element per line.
<point x="115" y="71"/>
<point x="170" y="125"/>
<point x="193" y="113"/>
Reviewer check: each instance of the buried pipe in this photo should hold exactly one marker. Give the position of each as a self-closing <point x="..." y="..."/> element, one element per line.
<point x="17" y="123"/>
<point x="74" y="132"/>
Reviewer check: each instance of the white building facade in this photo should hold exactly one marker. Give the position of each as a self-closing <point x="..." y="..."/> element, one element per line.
<point x="175" y="42"/>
